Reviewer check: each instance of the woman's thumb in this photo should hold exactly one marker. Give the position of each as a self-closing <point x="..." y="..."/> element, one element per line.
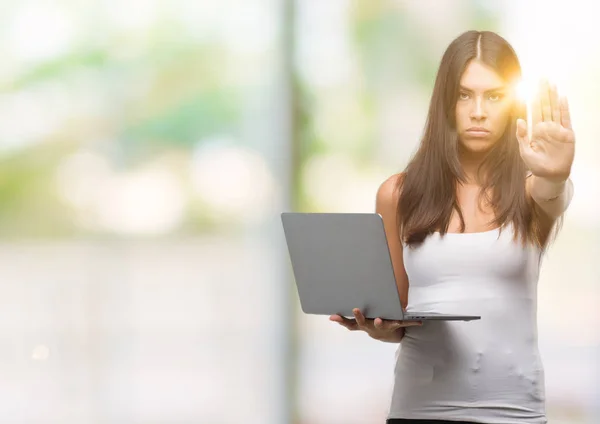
<point x="521" y="129"/>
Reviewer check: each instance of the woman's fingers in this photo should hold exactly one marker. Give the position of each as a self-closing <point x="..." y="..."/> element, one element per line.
<point x="545" y="100"/>
<point x="360" y="318"/>
<point x="536" y="110"/>
<point x="350" y="324"/>
<point x="360" y="322"/>
<point x="390" y="325"/>
<point x="565" y="114"/>
<point x="394" y="325"/>
<point x="555" y="104"/>
<point x="411" y="323"/>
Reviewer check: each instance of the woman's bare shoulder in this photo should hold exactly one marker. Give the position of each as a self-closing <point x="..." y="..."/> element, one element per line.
<point x="389" y="190"/>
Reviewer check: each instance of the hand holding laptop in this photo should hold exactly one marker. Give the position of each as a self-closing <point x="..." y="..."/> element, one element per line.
<point x="379" y="329"/>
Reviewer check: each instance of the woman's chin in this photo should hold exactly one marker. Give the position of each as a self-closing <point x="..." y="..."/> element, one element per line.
<point x="476" y="145"/>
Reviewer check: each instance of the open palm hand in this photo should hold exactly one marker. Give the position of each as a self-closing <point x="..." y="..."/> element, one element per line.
<point x="549" y="151"/>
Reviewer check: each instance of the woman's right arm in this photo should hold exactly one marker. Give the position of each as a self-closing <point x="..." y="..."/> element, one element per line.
<point x="387" y="206"/>
<point x="386" y="330"/>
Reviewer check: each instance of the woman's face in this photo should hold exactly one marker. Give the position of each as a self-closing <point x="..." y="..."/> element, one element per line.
<point x="483" y="107"/>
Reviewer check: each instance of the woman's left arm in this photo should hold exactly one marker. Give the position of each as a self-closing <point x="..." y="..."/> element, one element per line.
<point x="548" y="151"/>
<point x="550" y="196"/>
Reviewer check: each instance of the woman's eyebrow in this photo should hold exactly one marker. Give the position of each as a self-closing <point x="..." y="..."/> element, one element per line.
<point x="491" y="90"/>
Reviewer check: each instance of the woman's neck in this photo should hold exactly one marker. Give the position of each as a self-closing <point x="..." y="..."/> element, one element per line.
<point x="470" y="162"/>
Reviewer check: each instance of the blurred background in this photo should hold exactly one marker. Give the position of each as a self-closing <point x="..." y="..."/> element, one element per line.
<point x="147" y="148"/>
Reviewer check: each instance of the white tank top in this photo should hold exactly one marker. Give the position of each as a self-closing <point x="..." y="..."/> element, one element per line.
<point x="487" y="370"/>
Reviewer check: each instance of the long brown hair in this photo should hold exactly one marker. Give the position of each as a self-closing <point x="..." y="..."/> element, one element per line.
<point x="428" y="185"/>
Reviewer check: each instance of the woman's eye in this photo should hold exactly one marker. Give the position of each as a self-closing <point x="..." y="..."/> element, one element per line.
<point x="495" y="97"/>
<point x="463" y="96"/>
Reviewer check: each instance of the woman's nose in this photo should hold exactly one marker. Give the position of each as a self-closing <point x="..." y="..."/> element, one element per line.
<point x="478" y="111"/>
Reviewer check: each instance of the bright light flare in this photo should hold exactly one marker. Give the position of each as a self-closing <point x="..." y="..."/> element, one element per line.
<point x="527" y="90"/>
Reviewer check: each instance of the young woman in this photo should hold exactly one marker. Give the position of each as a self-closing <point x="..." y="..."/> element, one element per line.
<point x="467" y="224"/>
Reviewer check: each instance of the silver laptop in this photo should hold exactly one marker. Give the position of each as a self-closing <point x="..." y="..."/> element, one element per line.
<point x="341" y="261"/>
